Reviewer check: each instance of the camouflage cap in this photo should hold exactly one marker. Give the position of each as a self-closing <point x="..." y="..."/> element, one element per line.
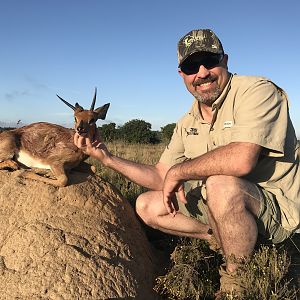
<point x="197" y="41"/>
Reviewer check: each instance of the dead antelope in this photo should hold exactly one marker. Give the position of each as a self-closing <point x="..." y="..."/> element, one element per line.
<point x="44" y="146"/>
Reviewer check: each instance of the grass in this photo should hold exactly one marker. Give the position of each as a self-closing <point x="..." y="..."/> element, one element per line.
<point x="265" y="275"/>
<point x="193" y="274"/>
<point x="193" y="267"/>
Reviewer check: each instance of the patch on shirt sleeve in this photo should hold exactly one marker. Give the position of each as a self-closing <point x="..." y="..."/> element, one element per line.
<point x="228" y="124"/>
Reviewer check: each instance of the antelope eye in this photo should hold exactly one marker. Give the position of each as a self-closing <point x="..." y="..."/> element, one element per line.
<point x="75" y="119"/>
<point x="91" y="121"/>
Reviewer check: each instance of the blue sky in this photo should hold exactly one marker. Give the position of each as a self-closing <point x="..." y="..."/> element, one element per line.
<point x="128" y="50"/>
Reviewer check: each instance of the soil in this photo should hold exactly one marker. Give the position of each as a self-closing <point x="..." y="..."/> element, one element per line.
<point x="82" y="241"/>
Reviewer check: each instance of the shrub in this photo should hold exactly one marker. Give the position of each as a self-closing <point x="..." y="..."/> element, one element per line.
<point x="167" y="132"/>
<point x="137" y="131"/>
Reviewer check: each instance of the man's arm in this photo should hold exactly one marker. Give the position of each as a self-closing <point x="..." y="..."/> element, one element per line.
<point x="151" y="177"/>
<point x="235" y="159"/>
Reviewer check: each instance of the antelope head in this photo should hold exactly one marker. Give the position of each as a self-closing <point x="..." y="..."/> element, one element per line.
<point x="85" y="120"/>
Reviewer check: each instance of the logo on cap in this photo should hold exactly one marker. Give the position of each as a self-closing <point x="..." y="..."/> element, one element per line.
<point x="189" y="40"/>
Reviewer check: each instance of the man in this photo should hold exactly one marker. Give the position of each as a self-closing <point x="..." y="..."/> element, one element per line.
<point x="232" y="162"/>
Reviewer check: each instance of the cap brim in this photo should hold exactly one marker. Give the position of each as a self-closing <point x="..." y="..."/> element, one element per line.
<point x="186" y="56"/>
<point x="193" y="52"/>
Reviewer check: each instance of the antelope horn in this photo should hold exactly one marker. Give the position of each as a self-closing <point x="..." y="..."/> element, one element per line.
<point x="94" y="100"/>
<point x="67" y="103"/>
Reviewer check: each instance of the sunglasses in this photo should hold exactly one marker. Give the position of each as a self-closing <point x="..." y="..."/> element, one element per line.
<point x="193" y="63"/>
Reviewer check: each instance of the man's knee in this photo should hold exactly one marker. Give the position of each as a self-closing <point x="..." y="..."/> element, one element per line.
<point x="224" y="194"/>
<point x="221" y="185"/>
<point x="147" y="207"/>
<point x="142" y="205"/>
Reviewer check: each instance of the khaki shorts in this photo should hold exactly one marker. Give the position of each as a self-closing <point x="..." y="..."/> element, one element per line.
<point x="268" y="220"/>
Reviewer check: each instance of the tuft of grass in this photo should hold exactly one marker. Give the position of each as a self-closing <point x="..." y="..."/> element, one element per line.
<point x="265" y="275"/>
<point x="193" y="273"/>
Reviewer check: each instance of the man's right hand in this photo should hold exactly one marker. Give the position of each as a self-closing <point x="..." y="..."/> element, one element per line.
<point x="95" y="148"/>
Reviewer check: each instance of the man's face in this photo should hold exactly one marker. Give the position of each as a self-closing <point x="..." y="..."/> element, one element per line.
<point x="205" y="76"/>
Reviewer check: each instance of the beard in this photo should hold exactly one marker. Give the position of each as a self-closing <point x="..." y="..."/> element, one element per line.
<point x="206" y="97"/>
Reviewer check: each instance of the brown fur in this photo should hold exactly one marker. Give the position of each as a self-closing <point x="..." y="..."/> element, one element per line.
<point x="50" y="146"/>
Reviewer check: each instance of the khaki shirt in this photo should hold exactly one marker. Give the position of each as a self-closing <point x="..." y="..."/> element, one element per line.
<point x="255" y="110"/>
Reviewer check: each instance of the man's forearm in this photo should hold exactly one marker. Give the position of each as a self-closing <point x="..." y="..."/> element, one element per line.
<point x="151" y="177"/>
<point x="235" y="159"/>
<point x="144" y="175"/>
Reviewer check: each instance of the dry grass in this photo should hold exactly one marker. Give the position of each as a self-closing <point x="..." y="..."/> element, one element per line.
<point x="193" y="274"/>
<point x="265" y="275"/>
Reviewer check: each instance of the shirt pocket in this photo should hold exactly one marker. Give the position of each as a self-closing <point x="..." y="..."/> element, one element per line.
<point x="221" y="137"/>
<point x="195" y="145"/>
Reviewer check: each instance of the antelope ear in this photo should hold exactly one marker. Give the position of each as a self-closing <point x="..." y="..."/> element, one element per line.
<point x="101" y="111"/>
<point x="78" y="107"/>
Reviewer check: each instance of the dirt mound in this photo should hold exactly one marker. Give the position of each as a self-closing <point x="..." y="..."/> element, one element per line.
<point x="82" y="241"/>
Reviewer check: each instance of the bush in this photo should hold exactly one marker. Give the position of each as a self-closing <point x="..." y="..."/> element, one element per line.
<point x="137" y="131"/>
<point x="133" y="132"/>
<point x="108" y="132"/>
<point x="167" y="132"/>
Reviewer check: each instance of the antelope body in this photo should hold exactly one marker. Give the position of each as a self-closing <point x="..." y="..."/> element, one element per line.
<point x="44" y="146"/>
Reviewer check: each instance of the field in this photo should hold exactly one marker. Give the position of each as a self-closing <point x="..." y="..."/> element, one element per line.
<point x="193" y="267"/>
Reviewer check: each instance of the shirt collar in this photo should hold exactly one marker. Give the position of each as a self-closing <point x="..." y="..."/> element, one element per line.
<point x="219" y="101"/>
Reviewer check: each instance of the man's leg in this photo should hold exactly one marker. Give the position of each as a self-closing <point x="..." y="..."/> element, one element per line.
<point x="151" y="209"/>
<point x="233" y="204"/>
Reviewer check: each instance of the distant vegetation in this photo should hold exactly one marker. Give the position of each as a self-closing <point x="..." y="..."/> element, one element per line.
<point x="5" y="128"/>
<point x="136" y="131"/>
<point x="133" y="131"/>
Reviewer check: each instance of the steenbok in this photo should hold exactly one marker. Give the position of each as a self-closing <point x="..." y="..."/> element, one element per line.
<point x="44" y="146"/>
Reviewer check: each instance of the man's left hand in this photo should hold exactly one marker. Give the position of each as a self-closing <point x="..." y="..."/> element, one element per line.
<point x="173" y="185"/>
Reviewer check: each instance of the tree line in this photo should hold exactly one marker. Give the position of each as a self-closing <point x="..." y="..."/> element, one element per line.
<point x="134" y="131"/>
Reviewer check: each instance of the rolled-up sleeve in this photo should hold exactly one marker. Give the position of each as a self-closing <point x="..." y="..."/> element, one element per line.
<point x="174" y="151"/>
<point x="261" y="117"/>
